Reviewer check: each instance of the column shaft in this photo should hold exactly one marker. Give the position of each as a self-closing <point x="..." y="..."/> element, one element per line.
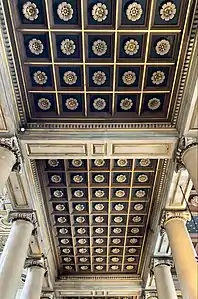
<point x="13" y="258"/>
<point x="7" y="160"/>
<point x="33" y="283"/>
<point x="184" y="256"/>
<point x="164" y="282"/>
<point x="190" y="159"/>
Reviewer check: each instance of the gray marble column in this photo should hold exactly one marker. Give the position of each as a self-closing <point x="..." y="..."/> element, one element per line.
<point x="183" y="252"/>
<point x="15" y="252"/>
<point x="34" y="279"/>
<point x="163" y="278"/>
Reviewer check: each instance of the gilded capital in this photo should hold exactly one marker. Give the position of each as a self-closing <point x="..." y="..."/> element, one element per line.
<point x="173" y="215"/>
<point x="28" y="215"/>
<point x="12" y="145"/>
<point x="184" y="144"/>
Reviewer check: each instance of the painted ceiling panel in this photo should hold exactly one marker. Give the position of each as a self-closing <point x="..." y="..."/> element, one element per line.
<point x="98" y="60"/>
<point x="98" y="211"/>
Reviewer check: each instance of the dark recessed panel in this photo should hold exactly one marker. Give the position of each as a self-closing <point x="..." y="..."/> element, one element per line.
<point x="98" y="60"/>
<point x="98" y="210"/>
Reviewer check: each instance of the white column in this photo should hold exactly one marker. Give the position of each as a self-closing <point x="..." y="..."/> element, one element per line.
<point x="7" y="161"/>
<point x="34" y="280"/>
<point x="190" y="160"/>
<point x="14" y="254"/>
<point x="183" y="252"/>
<point x="163" y="279"/>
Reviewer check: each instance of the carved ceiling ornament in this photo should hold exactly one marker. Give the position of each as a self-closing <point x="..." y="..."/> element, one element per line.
<point x="12" y="145"/>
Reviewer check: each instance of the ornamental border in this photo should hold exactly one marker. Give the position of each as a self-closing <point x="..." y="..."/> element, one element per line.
<point x="16" y="86"/>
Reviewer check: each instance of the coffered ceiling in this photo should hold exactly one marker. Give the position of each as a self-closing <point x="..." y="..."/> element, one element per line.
<point x="98" y="211"/>
<point x="91" y="60"/>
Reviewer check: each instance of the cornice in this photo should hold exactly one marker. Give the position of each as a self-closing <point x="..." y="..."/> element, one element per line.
<point x="97" y="126"/>
<point x="187" y="60"/>
<point x="9" y="58"/>
<point x="44" y="230"/>
<point x="160" y="198"/>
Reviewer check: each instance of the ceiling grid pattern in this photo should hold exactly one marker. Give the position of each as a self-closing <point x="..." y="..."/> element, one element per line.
<point x="108" y="60"/>
<point x="99" y="212"/>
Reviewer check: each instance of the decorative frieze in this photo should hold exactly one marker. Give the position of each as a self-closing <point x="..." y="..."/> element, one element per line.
<point x="171" y="215"/>
<point x="12" y="145"/>
<point x="24" y="215"/>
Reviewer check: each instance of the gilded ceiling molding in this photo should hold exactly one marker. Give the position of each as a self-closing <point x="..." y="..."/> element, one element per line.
<point x="184" y="144"/>
<point x="98" y="277"/>
<point x="12" y="145"/>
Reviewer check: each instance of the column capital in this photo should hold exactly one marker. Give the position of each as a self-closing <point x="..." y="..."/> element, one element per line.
<point x="12" y="145"/>
<point x="150" y="295"/>
<point x="184" y="144"/>
<point x="35" y="262"/>
<point x="28" y="215"/>
<point x="157" y="261"/>
<point x="174" y="214"/>
<point x="47" y="295"/>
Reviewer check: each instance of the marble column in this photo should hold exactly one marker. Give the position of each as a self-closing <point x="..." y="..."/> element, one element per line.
<point x="187" y="156"/>
<point x="190" y="160"/>
<point x="183" y="252"/>
<point x="34" y="279"/>
<point x="10" y="158"/>
<point x="15" y="251"/>
<point x="163" y="278"/>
